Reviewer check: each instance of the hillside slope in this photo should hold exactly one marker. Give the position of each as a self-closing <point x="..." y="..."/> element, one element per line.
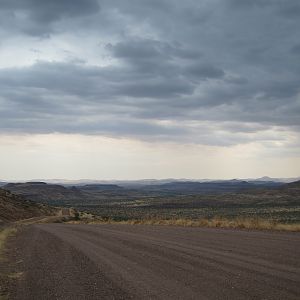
<point x="13" y="208"/>
<point x="43" y="192"/>
<point x="58" y="195"/>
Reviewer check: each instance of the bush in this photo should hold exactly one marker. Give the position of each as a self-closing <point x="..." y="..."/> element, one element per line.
<point x="76" y="216"/>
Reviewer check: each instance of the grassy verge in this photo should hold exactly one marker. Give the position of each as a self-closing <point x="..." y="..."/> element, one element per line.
<point x="4" y="234"/>
<point x="217" y="222"/>
<point x="5" y="275"/>
<point x="44" y="220"/>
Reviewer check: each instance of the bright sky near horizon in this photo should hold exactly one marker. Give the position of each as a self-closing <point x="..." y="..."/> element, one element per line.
<point x="138" y="89"/>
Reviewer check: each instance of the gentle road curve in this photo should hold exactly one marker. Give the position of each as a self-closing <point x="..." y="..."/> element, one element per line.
<point x="62" y="261"/>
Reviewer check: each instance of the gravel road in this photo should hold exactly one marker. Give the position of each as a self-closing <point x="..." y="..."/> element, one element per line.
<point x="62" y="261"/>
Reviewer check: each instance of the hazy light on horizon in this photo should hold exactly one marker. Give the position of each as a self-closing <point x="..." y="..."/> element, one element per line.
<point x="65" y="156"/>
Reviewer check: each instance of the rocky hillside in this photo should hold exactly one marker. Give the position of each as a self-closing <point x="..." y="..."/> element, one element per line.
<point x="14" y="207"/>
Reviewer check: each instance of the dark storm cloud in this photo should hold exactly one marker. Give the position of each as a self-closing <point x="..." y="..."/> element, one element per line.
<point x="49" y="11"/>
<point x="35" y="17"/>
<point x="138" y="49"/>
<point x="147" y="49"/>
<point x="204" y="71"/>
<point x="213" y="72"/>
<point x="288" y="9"/>
<point x="296" y="49"/>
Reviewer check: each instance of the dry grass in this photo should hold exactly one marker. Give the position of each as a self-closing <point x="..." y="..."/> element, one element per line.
<point x="44" y="219"/>
<point x="4" y="234"/>
<point x="16" y="275"/>
<point x="217" y="222"/>
<point x="4" y="277"/>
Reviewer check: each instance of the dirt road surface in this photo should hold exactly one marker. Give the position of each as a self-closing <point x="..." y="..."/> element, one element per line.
<point x="62" y="261"/>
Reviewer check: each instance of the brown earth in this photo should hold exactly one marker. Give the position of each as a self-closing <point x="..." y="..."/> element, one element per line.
<point x="60" y="261"/>
<point x="14" y="207"/>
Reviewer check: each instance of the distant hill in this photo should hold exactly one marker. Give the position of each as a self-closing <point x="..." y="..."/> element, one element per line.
<point x="58" y="195"/>
<point x="43" y="192"/>
<point x="292" y="188"/>
<point x="100" y="187"/>
<point x="14" y="207"/>
<point x="293" y="185"/>
<point x="101" y="194"/>
<point x="269" y="179"/>
<point x="212" y="187"/>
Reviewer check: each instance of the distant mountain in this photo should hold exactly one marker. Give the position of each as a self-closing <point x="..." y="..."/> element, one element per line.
<point x="293" y="185"/>
<point x="121" y="183"/>
<point x="212" y="187"/>
<point x="99" y="187"/>
<point x="271" y="179"/>
<point x="287" y="190"/>
<point x="94" y="194"/>
<point x="262" y="183"/>
<point x="14" y="207"/>
<point x="152" y="182"/>
<point x="43" y="192"/>
<point x="58" y="195"/>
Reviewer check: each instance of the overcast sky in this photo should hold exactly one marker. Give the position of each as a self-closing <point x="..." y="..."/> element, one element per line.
<point x="135" y="89"/>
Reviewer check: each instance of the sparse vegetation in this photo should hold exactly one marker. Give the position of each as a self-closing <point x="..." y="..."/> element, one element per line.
<point x="4" y="234"/>
<point x="5" y="276"/>
<point x="216" y="222"/>
<point x="76" y="216"/>
<point x="275" y="208"/>
<point x="16" y="207"/>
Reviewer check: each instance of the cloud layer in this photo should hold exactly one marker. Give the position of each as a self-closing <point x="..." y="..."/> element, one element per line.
<point x="208" y="72"/>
